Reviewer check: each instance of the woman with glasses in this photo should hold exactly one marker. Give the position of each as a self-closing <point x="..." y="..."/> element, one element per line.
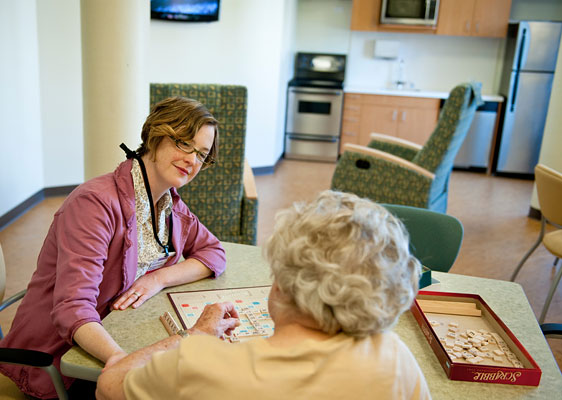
<point x="116" y="241"/>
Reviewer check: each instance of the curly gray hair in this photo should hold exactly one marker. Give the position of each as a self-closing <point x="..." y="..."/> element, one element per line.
<point x="345" y="262"/>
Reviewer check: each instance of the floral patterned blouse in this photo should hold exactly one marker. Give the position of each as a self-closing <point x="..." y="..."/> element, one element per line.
<point x="148" y="249"/>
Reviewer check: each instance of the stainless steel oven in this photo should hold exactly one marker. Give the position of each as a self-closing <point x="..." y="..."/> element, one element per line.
<point x="314" y="108"/>
<point x="314" y="111"/>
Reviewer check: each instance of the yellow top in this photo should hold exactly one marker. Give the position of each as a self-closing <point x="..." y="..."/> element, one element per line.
<point x="204" y="367"/>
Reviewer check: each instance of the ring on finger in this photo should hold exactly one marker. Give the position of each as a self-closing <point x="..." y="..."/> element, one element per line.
<point x="137" y="294"/>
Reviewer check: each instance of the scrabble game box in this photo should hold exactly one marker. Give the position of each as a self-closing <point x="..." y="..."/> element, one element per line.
<point x="470" y="340"/>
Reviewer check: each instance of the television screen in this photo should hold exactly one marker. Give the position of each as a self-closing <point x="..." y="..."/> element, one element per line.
<point x="185" y="10"/>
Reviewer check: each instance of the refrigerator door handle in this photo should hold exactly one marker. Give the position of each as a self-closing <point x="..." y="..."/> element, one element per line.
<point x="524" y="48"/>
<point x="522" y="57"/>
<point x="514" y="92"/>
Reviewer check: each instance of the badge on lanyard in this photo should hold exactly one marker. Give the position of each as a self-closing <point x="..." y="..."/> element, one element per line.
<point x="159" y="262"/>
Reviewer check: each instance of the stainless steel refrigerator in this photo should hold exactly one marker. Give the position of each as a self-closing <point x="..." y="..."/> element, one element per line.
<point x="526" y="82"/>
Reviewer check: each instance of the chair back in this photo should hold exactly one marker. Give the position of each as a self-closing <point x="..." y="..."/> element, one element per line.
<point x="440" y="150"/>
<point x="216" y="194"/>
<point x="549" y="191"/>
<point x="435" y="238"/>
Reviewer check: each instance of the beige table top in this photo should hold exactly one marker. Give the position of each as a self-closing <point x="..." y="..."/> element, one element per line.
<point x="133" y="329"/>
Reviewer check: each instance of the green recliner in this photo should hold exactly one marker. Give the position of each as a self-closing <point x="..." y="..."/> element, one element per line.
<point x="396" y="171"/>
<point x="218" y="196"/>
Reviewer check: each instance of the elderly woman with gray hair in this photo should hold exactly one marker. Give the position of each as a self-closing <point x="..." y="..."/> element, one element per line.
<point x="343" y="275"/>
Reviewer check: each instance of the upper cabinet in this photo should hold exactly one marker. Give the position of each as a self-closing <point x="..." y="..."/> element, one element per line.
<point x="486" y="18"/>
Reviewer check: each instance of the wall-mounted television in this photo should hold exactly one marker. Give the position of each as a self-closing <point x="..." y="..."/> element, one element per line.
<point x="185" y="10"/>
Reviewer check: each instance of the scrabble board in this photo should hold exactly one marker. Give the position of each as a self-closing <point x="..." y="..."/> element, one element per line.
<point x="251" y="304"/>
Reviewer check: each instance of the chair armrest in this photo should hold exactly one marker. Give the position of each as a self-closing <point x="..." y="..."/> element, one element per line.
<point x="12" y="299"/>
<point x="249" y="226"/>
<point x="249" y="182"/>
<point x="25" y="357"/>
<point x="381" y="177"/>
<point x="389" y="157"/>
<point x="379" y="137"/>
<point x="37" y="359"/>
<point x="393" y="145"/>
<point x="249" y="221"/>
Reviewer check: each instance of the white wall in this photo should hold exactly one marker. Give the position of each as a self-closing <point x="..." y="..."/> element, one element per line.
<point x="434" y="63"/>
<point x="21" y="159"/>
<point x="323" y="26"/>
<point x="60" y="74"/>
<point x="243" y="48"/>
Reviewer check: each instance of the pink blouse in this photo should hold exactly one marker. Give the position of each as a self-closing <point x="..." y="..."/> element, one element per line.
<point x="88" y="259"/>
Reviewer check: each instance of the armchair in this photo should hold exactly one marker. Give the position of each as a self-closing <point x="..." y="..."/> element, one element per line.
<point x="224" y="196"/>
<point x="396" y="171"/>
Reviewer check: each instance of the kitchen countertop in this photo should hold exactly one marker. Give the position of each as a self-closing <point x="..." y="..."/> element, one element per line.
<point x="412" y="93"/>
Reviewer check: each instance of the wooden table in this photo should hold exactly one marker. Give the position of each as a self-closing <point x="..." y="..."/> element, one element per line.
<point x="134" y="329"/>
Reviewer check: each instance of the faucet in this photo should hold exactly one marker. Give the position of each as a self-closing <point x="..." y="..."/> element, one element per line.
<point x="401" y="80"/>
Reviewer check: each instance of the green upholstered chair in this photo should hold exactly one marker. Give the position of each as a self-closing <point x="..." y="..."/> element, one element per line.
<point x="224" y="196"/>
<point x="435" y="238"/>
<point x="397" y="171"/>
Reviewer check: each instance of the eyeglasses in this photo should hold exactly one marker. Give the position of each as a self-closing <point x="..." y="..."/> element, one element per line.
<point x="188" y="148"/>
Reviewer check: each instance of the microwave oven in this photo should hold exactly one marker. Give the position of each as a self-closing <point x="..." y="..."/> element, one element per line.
<point x="409" y="12"/>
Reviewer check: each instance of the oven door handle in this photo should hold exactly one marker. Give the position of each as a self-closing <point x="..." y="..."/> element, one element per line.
<point x="313" y="138"/>
<point x="328" y="92"/>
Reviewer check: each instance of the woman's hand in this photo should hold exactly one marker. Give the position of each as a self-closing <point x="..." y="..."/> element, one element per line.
<point x="148" y="285"/>
<point x="113" y="359"/>
<point x="217" y="319"/>
<point x="142" y="289"/>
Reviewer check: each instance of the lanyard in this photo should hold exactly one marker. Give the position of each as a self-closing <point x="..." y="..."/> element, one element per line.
<point x="168" y="246"/>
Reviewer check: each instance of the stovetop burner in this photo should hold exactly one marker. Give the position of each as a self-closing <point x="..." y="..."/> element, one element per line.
<point x="319" y="70"/>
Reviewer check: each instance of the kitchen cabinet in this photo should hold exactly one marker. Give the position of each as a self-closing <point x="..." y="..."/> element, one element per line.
<point x="365" y="16"/>
<point x="410" y="118"/>
<point x="486" y="18"/>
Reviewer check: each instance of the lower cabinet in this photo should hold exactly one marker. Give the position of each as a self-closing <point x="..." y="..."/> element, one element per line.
<point x="410" y="118"/>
